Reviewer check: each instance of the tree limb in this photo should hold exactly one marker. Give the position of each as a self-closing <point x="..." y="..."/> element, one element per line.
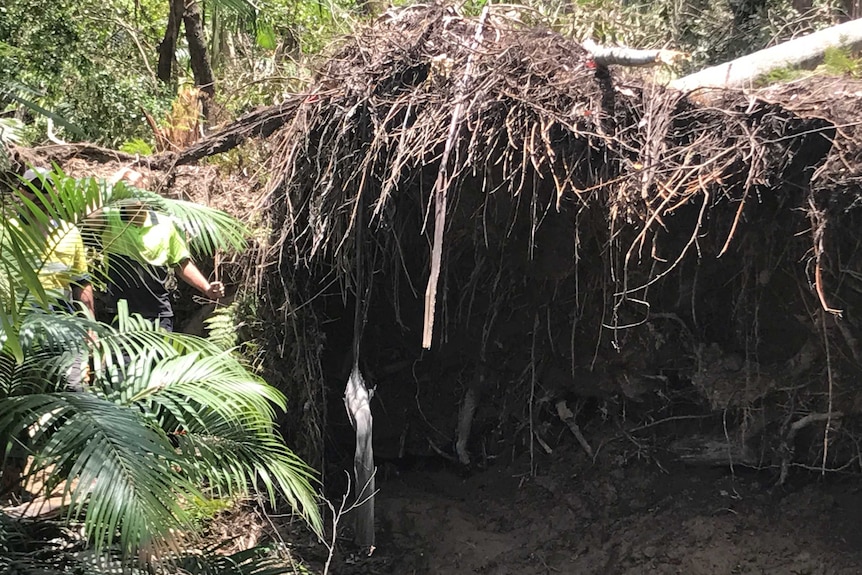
<point x="624" y="56"/>
<point x="743" y="71"/>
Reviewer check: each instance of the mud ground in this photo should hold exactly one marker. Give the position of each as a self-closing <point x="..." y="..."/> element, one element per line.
<point x="624" y="514"/>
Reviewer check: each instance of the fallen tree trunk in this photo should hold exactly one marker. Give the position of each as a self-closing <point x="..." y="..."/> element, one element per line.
<point x="62" y="153"/>
<point x="259" y="123"/>
<point x="742" y="72"/>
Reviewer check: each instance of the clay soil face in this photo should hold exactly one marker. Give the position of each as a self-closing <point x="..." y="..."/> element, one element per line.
<point x="621" y="516"/>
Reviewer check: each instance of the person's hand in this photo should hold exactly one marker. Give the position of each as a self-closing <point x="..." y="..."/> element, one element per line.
<point x="215" y="290"/>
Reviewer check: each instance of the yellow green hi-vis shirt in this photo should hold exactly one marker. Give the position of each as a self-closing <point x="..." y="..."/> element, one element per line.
<point x="156" y="242"/>
<point x="139" y="256"/>
<point x="63" y="261"/>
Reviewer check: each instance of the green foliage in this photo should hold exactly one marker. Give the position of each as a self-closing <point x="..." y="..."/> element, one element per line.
<point x="780" y="76"/>
<point x="79" y="61"/>
<point x="222" y="328"/>
<point x="206" y="508"/>
<point x="841" y="62"/>
<point x="308" y="27"/>
<point x="178" y="413"/>
<point x="108" y="106"/>
<point x="90" y="64"/>
<point x="234" y="328"/>
<point x="136" y="146"/>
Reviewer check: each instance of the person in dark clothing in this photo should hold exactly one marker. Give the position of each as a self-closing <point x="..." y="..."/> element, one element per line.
<point x="141" y="245"/>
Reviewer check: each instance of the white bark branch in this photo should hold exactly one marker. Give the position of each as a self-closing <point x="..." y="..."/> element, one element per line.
<point x="742" y="72"/>
<point x="624" y="56"/>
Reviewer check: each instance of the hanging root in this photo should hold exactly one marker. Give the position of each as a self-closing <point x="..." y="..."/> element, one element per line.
<point x="357" y="401"/>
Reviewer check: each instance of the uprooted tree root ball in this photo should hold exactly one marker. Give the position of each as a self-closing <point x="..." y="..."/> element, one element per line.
<point x="608" y="243"/>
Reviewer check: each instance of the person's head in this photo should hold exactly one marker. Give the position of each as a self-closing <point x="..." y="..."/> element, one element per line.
<point x="35" y="184"/>
<point x="134" y="212"/>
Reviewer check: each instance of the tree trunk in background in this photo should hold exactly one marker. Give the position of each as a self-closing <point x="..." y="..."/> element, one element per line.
<point x="168" y="46"/>
<point x="200" y="63"/>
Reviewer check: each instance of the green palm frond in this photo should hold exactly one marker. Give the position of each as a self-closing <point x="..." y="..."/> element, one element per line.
<point x="20" y="288"/>
<point x="222" y="416"/>
<point x="82" y="201"/>
<point x="163" y="412"/>
<point x="174" y="411"/>
<point x="208" y="229"/>
<point x="121" y="472"/>
<point x="28" y="97"/>
<point x="232" y="457"/>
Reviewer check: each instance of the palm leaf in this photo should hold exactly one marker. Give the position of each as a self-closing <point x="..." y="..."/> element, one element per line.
<point x="14" y="91"/>
<point x="116" y="462"/>
<point x="209" y="229"/>
<point x="196" y="392"/>
<point x="82" y="202"/>
<point x="162" y="411"/>
<point x="20" y="287"/>
<point x="231" y="458"/>
<point x="223" y="416"/>
<point x="222" y="327"/>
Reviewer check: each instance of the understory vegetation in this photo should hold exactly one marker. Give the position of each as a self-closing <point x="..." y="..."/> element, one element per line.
<point x="167" y="425"/>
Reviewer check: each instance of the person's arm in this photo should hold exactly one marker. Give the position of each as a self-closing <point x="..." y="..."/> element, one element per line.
<point x="82" y="289"/>
<point x="84" y="294"/>
<point x="187" y="271"/>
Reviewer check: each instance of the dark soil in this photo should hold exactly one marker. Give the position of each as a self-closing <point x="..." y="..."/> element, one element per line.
<point x="626" y="514"/>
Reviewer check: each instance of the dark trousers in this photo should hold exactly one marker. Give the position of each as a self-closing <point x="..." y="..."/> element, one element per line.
<point x="166" y="323"/>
